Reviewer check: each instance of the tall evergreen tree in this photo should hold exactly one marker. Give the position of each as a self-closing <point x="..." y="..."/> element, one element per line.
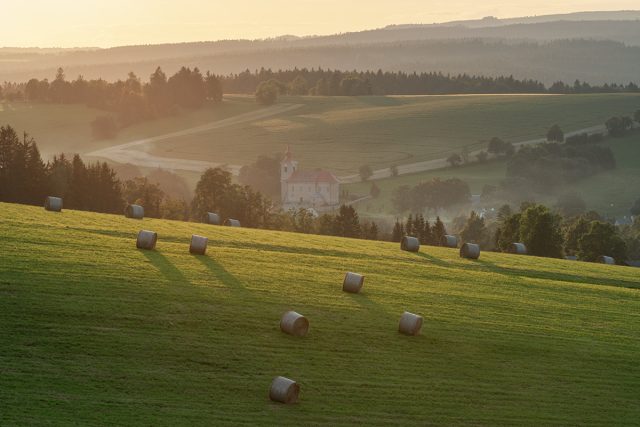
<point x="438" y="231"/>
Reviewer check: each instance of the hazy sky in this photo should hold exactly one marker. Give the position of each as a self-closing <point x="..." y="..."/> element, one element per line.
<point x="67" y="23"/>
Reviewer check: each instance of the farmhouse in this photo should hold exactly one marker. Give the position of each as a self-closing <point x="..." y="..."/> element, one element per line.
<point x="318" y="189"/>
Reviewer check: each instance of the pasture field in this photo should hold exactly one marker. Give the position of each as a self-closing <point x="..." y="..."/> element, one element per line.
<point x="94" y="331"/>
<point x="337" y="133"/>
<point x="343" y="133"/>
<point x="610" y="193"/>
<point x="66" y="128"/>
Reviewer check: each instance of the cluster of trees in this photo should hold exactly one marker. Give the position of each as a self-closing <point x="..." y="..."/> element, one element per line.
<point x="333" y="82"/>
<point x="431" y="195"/>
<point x="584" y="87"/>
<point x="620" y="125"/>
<point x="548" y="165"/>
<point x="263" y="175"/>
<point x="418" y="226"/>
<point x="129" y="100"/>
<point x="546" y="233"/>
<point x="25" y="178"/>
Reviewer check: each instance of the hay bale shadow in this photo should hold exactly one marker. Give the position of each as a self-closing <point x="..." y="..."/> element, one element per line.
<point x="434" y="260"/>
<point x="226" y="277"/>
<point x="165" y="267"/>
<point x="556" y="276"/>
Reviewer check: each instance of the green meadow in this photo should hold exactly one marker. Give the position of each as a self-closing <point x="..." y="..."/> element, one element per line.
<point x="96" y="332"/>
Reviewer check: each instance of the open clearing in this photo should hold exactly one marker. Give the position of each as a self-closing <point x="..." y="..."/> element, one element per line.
<point x="94" y="331"/>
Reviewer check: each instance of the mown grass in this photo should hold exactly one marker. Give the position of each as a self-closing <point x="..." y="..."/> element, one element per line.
<point x="95" y="332"/>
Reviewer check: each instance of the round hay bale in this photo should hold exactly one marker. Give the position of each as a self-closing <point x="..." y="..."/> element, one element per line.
<point x="232" y="223"/>
<point x="449" y="241"/>
<point x="410" y="244"/>
<point x="295" y="324"/>
<point x="284" y="390"/>
<point x="470" y="251"/>
<point x="53" y="204"/>
<point x="352" y="282"/>
<point x="147" y="240"/>
<point x="134" y="211"/>
<point x="518" y="249"/>
<point x="198" y="245"/>
<point x="212" y="218"/>
<point x="410" y="324"/>
<point x="607" y="260"/>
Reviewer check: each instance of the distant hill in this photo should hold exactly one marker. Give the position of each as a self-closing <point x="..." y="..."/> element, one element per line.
<point x="594" y="46"/>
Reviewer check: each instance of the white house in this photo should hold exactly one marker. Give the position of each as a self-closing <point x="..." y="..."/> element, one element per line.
<point x="318" y="189"/>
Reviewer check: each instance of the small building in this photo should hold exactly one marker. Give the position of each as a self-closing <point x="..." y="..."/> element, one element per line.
<point x="314" y="189"/>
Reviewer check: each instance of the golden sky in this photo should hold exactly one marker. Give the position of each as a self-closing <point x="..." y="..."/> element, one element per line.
<point x="104" y="23"/>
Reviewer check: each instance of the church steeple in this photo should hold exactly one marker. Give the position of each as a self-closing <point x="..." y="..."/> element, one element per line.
<point x="287" y="167"/>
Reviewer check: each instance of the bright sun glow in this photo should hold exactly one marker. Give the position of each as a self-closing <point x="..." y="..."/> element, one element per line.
<point x="68" y="23"/>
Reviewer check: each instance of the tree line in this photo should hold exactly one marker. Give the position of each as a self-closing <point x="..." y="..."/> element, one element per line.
<point x="130" y="100"/>
<point x="544" y="232"/>
<point x="432" y="195"/>
<point x="335" y="82"/>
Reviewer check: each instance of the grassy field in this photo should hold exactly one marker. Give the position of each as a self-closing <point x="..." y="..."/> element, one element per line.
<point x="343" y="133"/>
<point x="95" y="332"/>
<point x="66" y="128"/>
<point x="610" y="193"/>
<point x="337" y="133"/>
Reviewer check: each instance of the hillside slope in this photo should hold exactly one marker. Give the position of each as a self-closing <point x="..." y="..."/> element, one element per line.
<point x="94" y="331"/>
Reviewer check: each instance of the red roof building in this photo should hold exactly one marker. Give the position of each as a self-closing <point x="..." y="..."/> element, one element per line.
<point x="317" y="189"/>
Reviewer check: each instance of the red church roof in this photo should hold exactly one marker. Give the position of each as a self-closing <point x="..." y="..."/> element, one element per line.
<point x="319" y="175"/>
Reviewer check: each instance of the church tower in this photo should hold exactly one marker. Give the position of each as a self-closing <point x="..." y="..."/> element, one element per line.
<point x="287" y="167"/>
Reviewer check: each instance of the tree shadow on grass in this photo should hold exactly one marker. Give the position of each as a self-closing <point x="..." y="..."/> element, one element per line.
<point x="561" y="277"/>
<point x="434" y="260"/>
<point x="166" y="268"/>
<point x="228" y="279"/>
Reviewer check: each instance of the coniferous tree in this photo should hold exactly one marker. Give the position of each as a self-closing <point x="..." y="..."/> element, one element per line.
<point x="474" y="230"/>
<point x="347" y="223"/>
<point x="438" y="231"/>
<point x="398" y="231"/>
<point x="426" y="236"/>
<point x="37" y="185"/>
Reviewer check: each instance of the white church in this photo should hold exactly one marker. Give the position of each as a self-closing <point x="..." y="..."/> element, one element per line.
<point x="318" y="189"/>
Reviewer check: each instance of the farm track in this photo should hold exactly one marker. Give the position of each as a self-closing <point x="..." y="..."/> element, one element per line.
<point x="135" y="152"/>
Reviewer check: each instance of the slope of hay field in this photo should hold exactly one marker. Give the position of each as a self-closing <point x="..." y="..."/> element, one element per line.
<point x="94" y="331"/>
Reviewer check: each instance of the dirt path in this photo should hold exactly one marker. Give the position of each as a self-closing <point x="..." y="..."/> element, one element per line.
<point x="442" y="163"/>
<point x="136" y="152"/>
